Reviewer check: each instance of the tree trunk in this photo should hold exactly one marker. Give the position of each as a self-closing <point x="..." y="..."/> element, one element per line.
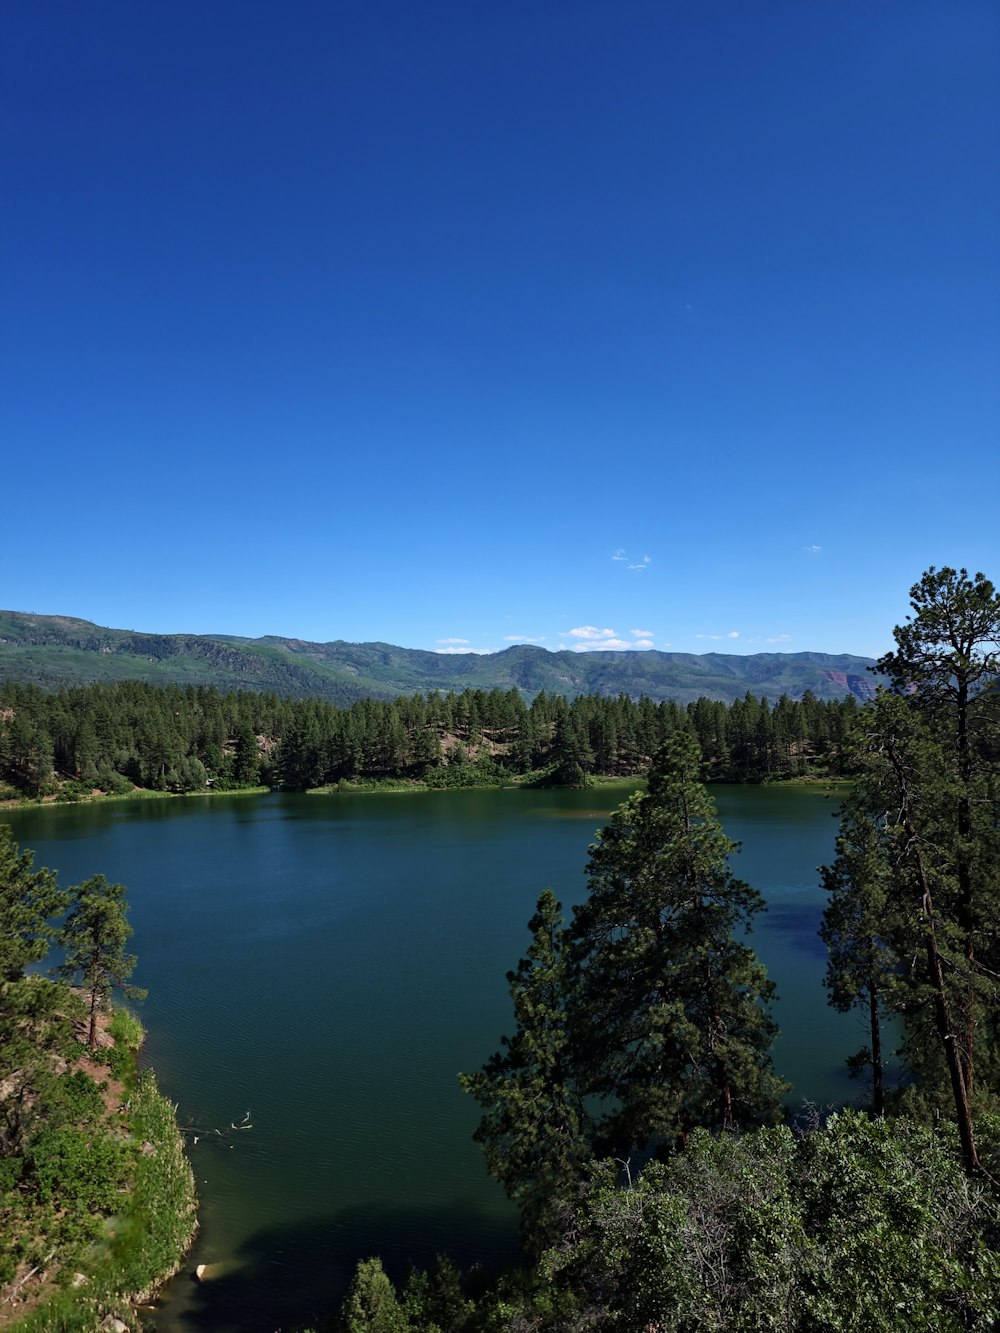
<point x="92" y="1038"/>
<point x="878" y="1078"/>
<point x="942" y="1015"/>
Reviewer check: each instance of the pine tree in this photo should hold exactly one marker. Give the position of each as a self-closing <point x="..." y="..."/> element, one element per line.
<point x="671" y="1020"/>
<point x="29" y="899"/>
<point x="533" y="1127"/>
<point x="94" y="935"/>
<point x="858" y="925"/>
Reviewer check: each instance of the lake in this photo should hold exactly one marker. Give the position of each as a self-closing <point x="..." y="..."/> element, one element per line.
<point x="326" y="965"/>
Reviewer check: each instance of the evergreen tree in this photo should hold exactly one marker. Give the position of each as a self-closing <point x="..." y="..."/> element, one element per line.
<point x="947" y="654"/>
<point x="533" y="1125"/>
<point x="863" y="969"/>
<point x="29" y="899"/>
<point x="94" y="935"/>
<point x="371" y="1305"/>
<point x="670" y="1006"/>
<point x="928" y="754"/>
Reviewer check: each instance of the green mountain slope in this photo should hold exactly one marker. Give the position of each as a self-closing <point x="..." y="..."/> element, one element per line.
<point x="59" y="650"/>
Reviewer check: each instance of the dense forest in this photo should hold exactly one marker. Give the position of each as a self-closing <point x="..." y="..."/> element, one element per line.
<point x="634" y="1115"/>
<point x="113" y="738"/>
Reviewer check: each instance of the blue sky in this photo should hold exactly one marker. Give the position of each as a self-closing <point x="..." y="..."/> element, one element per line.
<point x="449" y="324"/>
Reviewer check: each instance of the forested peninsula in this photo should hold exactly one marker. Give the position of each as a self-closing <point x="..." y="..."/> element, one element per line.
<point x="113" y="739"/>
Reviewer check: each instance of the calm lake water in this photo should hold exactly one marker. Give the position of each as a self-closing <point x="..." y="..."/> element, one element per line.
<point x="329" y="964"/>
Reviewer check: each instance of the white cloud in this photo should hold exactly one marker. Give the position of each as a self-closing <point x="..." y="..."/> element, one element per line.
<point x="619" y="555"/>
<point x="590" y="639"/>
<point x="588" y="632"/>
<point x="604" y="645"/>
<point x="523" y="638"/>
<point x="813" y="550"/>
<point x="637" y="568"/>
<point x="451" y="640"/>
<point x="733" y="634"/>
<point x="444" y="652"/>
<point x="779" y="638"/>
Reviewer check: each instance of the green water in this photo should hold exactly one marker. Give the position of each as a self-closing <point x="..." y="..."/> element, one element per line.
<point x="330" y="963"/>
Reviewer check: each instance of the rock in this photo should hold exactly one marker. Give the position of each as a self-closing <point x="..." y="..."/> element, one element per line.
<point x="147" y="1149"/>
<point x="113" y="1325"/>
<point x="78" y="1279"/>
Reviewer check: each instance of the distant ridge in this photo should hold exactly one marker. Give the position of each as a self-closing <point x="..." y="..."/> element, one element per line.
<point x="56" y="651"/>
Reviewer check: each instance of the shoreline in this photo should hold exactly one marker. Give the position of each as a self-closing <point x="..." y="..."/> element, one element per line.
<point x="147" y="1240"/>
<point x="395" y="787"/>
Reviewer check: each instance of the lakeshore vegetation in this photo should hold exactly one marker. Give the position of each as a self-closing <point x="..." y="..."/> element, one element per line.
<point x="97" y="1201"/>
<point x="129" y="738"/>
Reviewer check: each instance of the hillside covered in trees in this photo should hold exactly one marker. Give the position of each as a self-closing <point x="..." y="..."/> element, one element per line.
<point x="75" y="742"/>
<point x="60" y="651"/>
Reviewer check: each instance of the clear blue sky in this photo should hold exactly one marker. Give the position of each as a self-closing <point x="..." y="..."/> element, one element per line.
<point x="457" y="322"/>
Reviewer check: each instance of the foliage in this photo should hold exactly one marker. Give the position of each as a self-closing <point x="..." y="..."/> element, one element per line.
<point x="864" y="1224"/>
<point x="534" y="1129"/>
<point x="83" y="1187"/>
<point x="915" y="877"/>
<point x="121" y="738"/>
<point x="28" y="900"/>
<point x="93" y="937"/>
<point x="860" y="918"/>
<point x="670" y="1016"/>
<point x="370" y="1305"/>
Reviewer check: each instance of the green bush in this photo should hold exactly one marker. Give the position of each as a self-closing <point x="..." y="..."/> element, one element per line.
<point x="74" y="1099"/>
<point x="83" y="1172"/>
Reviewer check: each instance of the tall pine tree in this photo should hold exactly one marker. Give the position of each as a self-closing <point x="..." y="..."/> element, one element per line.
<point x="671" y="1023"/>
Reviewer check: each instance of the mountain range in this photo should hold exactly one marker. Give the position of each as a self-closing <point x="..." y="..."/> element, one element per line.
<point x="56" y="651"/>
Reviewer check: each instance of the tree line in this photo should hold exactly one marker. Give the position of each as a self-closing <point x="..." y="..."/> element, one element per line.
<point x="634" y="1113"/>
<point x="113" y="737"/>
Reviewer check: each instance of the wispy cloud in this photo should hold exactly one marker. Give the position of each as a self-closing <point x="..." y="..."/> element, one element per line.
<point x="778" y="638"/>
<point x="635" y="563"/>
<point x="733" y="634"/>
<point x="524" y="638"/>
<point x="813" y="550"/>
<point x="641" y="633"/>
<point x="451" y="640"/>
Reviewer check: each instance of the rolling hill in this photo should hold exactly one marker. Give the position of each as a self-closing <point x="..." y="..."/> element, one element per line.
<point x="55" y="651"/>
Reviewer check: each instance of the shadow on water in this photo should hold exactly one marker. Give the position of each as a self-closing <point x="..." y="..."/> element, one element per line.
<point x="295" y="1276"/>
<point x="799" y="927"/>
